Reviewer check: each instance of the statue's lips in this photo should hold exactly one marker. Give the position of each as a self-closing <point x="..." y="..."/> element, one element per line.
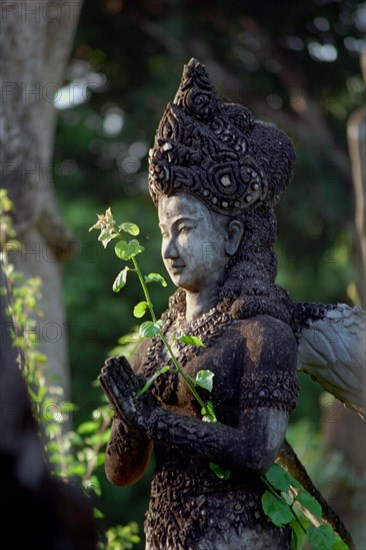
<point x="176" y="268"/>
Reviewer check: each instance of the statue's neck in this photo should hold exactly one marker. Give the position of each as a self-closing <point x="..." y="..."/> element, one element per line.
<point x="198" y="303"/>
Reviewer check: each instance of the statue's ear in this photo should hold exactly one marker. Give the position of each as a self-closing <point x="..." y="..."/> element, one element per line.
<point x="234" y="233"/>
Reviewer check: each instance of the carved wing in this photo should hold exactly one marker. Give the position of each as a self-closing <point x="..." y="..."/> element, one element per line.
<point x="332" y="349"/>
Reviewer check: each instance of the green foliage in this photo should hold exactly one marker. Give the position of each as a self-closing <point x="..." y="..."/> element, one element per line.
<point x="298" y="534"/>
<point x="152" y="379"/>
<point x="219" y="471"/>
<point x="204" y="379"/>
<point x="121" y="280"/>
<point x="23" y="295"/>
<point x="208" y="413"/>
<point x="149" y="329"/>
<point x="323" y="538"/>
<point x="190" y="340"/>
<point x="121" y="537"/>
<point x="127" y="251"/>
<point x="140" y="309"/>
<point x="155" y="278"/>
<point x="277" y="509"/>
<point x="287" y="502"/>
<point x="310" y="503"/>
<point x="70" y="454"/>
<point x="130" y="228"/>
<point x="279" y="478"/>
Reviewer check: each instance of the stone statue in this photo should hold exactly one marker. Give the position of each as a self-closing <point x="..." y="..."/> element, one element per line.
<point x="215" y="175"/>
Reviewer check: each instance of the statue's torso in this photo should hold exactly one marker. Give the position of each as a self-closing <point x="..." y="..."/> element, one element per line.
<point x="190" y="507"/>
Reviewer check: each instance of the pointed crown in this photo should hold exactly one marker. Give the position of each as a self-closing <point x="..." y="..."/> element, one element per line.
<point x="216" y="151"/>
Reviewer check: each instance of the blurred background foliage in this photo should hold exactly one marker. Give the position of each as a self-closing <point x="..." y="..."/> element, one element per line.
<point x="294" y="63"/>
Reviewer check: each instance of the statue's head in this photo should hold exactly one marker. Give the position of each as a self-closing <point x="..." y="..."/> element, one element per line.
<point x="216" y="151"/>
<point x="212" y="160"/>
<point x="197" y="243"/>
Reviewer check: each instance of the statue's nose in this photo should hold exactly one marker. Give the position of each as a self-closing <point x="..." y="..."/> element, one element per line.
<point x="170" y="251"/>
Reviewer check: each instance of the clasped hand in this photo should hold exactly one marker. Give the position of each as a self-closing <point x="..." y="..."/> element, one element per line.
<point x="122" y="386"/>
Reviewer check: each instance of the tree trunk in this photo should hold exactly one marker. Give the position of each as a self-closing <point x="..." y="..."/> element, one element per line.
<point x="36" y="40"/>
<point x="356" y="130"/>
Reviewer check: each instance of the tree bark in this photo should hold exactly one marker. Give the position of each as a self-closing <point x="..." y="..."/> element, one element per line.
<point x="356" y="132"/>
<point x="36" y="40"/>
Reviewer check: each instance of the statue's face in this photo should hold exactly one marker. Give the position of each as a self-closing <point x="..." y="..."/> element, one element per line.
<point x="193" y="247"/>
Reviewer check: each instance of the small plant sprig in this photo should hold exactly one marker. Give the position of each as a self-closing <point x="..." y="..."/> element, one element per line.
<point x="285" y="501"/>
<point x="127" y="249"/>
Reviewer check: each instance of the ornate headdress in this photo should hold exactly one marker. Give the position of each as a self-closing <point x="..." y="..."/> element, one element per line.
<point x="217" y="151"/>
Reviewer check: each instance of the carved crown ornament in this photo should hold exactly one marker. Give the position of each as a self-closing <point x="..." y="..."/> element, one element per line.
<point x="217" y="151"/>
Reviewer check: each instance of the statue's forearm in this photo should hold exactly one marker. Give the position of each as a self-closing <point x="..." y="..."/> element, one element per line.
<point x="249" y="449"/>
<point x="128" y="453"/>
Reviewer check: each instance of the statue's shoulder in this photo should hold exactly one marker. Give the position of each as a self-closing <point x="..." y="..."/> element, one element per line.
<point x="265" y="326"/>
<point x="268" y="342"/>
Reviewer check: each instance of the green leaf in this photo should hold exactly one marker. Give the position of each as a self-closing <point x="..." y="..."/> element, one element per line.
<point x="120" y="280"/>
<point x="140" y="309"/>
<point x="97" y="439"/>
<point x="276" y="508"/>
<point x="211" y="410"/>
<point x="298" y="535"/>
<point x="126" y="251"/>
<point x="39" y="357"/>
<point x="101" y="457"/>
<point x="33" y="395"/>
<point x="52" y="428"/>
<point x="278" y="478"/>
<point x="130" y="228"/>
<point x="76" y="470"/>
<point x="149" y="329"/>
<point x="75" y="439"/>
<point x="98" y="514"/>
<point x="209" y="414"/>
<point x="310" y="503"/>
<point x="204" y="379"/>
<point x="322" y="537"/>
<point x="339" y="544"/>
<point x="53" y="447"/>
<point x="190" y="340"/>
<point x="55" y="459"/>
<point x="67" y="407"/>
<point x="132" y="338"/>
<point x="219" y="471"/>
<point x="120" y="247"/>
<point x="87" y="428"/>
<point x="155" y="278"/>
<point x="106" y="236"/>
<point x="152" y="379"/>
